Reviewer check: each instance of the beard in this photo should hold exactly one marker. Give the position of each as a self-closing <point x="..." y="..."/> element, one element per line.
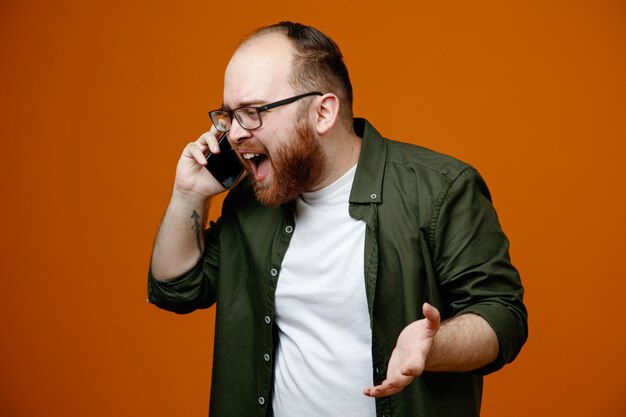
<point x="298" y="166"/>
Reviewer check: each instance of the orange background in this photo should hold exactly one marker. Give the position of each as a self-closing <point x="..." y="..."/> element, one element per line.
<point x="99" y="98"/>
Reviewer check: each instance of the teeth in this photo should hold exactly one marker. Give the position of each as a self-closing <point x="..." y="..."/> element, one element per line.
<point x="249" y="155"/>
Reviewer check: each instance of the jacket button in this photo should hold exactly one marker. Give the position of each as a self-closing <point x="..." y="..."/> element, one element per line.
<point x="274" y="272"/>
<point x="373" y="196"/>
<point x="266" y="357"/>
<point x="288" y="229"/>
<point x="261" y="400"/>
<point x="268" y="319"/>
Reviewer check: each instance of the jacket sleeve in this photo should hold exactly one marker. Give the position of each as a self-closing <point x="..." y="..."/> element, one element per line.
<point x="195" y="288"/>
<point x="471" y="254"/>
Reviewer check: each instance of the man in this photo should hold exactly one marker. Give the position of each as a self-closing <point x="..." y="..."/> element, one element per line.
<point x="353" y="275"/>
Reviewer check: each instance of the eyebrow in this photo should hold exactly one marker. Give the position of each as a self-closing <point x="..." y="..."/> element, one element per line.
<point x="248" y="103"/>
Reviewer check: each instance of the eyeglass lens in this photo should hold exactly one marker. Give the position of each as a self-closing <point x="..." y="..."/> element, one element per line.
<point x="248" y="118"/>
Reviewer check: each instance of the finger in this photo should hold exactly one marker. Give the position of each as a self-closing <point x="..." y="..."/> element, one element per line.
<point x="209" y="140"/>
<point x="413" y="370"/>
<point x="214" y="146"/>
<point x="433" y="316"/>
<point x="412" y="365"/>
<point x="382" y="390"/>
<point x="399" y="380"/>
<point x="215" y="130"/>
<point x="373" y="391"/>
<point x="197" y="153"/>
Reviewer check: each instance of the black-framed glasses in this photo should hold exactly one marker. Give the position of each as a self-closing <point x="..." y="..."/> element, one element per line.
<point x="249" y="117"/>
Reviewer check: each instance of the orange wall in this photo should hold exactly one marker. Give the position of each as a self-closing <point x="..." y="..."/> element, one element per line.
<point x="99" y="97"/>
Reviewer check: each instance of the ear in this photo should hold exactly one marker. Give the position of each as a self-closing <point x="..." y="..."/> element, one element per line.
<point x="326" y="113"/>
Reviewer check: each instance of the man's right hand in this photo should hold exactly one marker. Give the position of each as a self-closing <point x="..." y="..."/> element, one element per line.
<point x="180" y="242"/>
<point x="192" y="177"/>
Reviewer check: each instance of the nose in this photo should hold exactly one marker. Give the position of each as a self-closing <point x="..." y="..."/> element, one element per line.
<point x="238" y="134"/>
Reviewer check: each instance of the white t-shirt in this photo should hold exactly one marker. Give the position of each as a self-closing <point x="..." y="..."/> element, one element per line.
<point x="324" y="356"/>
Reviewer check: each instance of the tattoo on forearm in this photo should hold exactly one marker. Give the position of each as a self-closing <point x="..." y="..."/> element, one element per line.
<point x="198" y="229"/>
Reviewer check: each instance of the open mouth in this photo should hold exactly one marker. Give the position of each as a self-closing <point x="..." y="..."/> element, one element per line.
<point x="258" y="163"/>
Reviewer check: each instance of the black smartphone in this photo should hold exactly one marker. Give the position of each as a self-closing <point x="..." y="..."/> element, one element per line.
<point x="224" y="166"/>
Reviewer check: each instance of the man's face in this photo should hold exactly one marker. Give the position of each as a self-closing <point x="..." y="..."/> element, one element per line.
<point x="297" y="166"/>
<point x="283" y="157"/>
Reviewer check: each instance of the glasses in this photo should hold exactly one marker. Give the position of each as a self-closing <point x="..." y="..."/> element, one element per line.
<point x="249" y="117"/>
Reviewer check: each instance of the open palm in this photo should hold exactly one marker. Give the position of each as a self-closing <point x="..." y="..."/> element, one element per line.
<point x="408" y="359"/>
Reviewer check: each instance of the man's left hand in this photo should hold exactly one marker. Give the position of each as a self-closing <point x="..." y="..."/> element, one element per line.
<point x="408" y="359"/>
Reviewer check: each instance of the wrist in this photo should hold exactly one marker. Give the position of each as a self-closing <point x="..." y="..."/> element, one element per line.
<point x="189" y="198"/>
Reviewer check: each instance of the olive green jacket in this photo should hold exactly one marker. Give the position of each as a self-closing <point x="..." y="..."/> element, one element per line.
<point x="432" y="236"/>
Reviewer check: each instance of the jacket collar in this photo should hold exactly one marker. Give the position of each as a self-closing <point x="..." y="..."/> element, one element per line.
<point x="368" y="179"/>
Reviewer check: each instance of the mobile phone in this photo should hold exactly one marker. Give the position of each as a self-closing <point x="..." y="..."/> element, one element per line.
<point x="224" y="166"/>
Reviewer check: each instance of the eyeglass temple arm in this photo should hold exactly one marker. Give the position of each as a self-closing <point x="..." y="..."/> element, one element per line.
<point x="287" y="101"/>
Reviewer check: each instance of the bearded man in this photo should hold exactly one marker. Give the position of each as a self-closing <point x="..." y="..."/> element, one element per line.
<point x="353" y="275"/>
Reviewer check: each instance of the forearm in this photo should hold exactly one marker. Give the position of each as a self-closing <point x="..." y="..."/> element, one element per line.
<point x="463" y="343"/>
<point x="180" y="242"/>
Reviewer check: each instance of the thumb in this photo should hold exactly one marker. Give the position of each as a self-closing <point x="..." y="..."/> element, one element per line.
<point x="432" y="315"/>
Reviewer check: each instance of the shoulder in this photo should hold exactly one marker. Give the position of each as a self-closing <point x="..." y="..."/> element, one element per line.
<point x="393" y="167"/>
<point x="426" y="162"/>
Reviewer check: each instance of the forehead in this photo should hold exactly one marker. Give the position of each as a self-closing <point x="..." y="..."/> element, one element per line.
<point x="259" y="71"/>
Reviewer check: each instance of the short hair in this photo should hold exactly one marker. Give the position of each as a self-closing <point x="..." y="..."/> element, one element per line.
<point x="317" y="63"/>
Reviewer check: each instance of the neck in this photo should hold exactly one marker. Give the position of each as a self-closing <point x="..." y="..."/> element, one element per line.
<point x="342" y="151"/>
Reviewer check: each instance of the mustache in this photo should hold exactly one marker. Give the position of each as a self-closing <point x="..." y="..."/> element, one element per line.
<point x="249" y="147"/>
